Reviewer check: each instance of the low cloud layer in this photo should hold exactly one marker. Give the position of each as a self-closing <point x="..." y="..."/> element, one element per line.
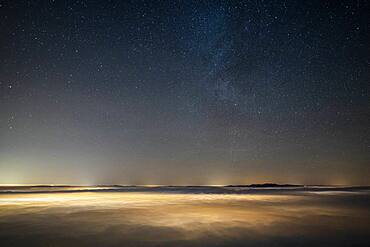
<point x="185" y="219"/>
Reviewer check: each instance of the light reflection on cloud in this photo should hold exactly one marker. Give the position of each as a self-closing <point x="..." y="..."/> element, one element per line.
<point x="133" y="217"/>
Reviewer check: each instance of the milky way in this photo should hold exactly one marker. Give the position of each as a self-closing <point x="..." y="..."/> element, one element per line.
<point x="184" y="92"/>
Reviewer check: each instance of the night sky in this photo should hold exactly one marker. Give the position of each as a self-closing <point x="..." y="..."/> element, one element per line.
<point x="185" y="92"/>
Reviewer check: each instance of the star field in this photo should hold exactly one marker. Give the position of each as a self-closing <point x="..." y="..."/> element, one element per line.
<point x="184" y="92"/>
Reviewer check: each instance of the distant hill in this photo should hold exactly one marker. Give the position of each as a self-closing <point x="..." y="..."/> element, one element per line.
<point x="265" y="185"/>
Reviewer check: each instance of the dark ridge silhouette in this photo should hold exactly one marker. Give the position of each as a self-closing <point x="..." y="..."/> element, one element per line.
<point x="269" y="188"/>
<point x="265" y="185"/>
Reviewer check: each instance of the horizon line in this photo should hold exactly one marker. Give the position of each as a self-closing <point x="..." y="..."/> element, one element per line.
<point x="178" y="185"/>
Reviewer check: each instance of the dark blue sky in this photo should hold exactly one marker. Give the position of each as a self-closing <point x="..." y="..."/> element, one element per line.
<point x="184" y="92"/>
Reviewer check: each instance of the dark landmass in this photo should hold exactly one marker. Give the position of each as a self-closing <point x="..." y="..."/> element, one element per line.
<point x="270" y="188"/>
<point x="265" y="185"/>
